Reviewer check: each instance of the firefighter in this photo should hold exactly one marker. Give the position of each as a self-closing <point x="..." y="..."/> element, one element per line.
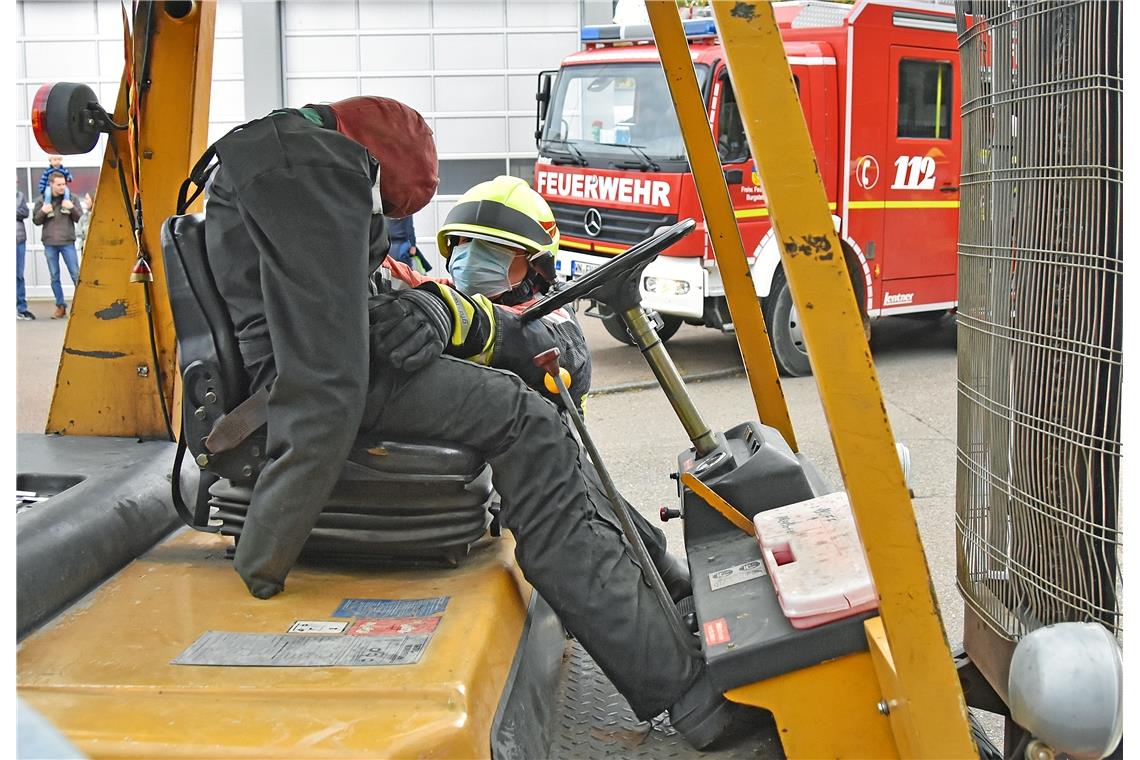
<point x="294" y="230"/>
<point x="499" y="242"/>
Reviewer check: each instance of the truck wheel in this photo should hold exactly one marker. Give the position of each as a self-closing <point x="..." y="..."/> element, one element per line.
<point x="614" y="325"/>
<point x="784" y="329"/>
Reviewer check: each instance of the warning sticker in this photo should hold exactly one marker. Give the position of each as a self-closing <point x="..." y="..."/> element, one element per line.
<point x="716" y="632"/>
<point x="290" y="650"/>
<point x="391" y="608"/>
<point x="730" y="576"/>
<point x="393" y="626"/>
<point x="318" y="626"/>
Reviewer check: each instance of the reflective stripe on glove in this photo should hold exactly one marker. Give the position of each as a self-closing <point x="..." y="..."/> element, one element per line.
<point x="411" y="327"/>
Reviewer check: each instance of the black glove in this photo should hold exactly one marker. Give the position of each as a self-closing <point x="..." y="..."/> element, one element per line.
<point x="409" y="328"/>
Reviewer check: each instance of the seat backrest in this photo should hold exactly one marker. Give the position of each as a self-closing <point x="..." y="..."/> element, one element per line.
<point x="201" y="321"/>
<point x="422" y="478"/>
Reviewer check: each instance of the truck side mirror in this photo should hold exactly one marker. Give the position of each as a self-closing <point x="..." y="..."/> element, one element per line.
<point x="542" y="95"/>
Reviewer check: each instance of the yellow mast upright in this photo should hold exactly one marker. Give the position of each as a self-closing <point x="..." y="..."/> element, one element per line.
<point x="107" y="381"/>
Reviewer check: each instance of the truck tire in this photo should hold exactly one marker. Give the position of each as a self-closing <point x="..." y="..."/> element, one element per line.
<point x="616" y="327"/>
<point x="784" y="330"/>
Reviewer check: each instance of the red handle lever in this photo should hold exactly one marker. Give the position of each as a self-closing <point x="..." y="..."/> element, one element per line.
<point x="548" y="361"/>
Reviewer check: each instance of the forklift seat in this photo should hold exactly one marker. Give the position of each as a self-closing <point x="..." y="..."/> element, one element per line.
<point x="395" y="501"/>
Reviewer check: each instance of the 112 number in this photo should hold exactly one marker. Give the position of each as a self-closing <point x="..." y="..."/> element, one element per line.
<point x="914" y="173"/>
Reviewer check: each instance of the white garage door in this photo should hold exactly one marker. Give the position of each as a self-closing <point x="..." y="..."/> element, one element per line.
<point x="469" y="67"/>
<point x="82" y="41"/>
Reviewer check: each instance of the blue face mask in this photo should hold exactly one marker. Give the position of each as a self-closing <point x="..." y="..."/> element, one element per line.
<point x="480" y="267"/>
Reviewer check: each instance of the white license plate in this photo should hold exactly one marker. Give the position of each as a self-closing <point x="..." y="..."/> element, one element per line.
<point x="580" y="268"/>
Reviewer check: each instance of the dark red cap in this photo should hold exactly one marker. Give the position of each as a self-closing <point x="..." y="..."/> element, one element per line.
<point x="399" y="138"/>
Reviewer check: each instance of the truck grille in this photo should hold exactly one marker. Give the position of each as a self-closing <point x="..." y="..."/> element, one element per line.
<point x="618" y="225"/>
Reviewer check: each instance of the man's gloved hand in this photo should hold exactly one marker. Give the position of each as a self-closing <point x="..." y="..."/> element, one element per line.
<point x="409" y="328"/>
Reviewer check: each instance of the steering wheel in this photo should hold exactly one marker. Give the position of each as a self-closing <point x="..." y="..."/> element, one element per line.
<point x="612" y="271"/>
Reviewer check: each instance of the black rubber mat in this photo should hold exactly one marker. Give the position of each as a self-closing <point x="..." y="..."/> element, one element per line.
<point x="595" y="722"/>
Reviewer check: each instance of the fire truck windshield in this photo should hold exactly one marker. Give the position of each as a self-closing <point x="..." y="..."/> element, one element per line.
<point x="615" y="114"/>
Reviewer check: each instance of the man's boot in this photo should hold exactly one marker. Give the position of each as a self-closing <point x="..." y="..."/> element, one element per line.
<point x="60" y="312"/>
<point x="702" y="715"/>
<point x="675" y="574"/>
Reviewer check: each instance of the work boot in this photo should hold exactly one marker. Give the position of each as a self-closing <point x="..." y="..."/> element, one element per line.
<point x="675" y="573"/>
<point x="702" y="714"/>
<point x="60" y="312"/>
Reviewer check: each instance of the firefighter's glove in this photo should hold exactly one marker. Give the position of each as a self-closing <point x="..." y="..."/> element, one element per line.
<point x="408" y="328"/>
<point x="411" y="327"/>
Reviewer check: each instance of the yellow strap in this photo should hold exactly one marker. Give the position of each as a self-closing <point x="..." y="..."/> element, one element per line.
<point x="729" y="512"/>
<point x="485" y="356"/>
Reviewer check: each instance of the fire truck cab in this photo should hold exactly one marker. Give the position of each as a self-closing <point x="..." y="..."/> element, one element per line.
<point x="877" y="84"/>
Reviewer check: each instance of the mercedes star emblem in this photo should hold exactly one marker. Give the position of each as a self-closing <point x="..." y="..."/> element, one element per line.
<point x="593" y="222"/>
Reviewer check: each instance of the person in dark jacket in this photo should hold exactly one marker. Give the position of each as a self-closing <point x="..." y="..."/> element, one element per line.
<point x="294" y="229"/>
<point x="22" y="312"/>
<point x="402" y="238"/>
<point x="513" y="270"/>
<point x="58" y="213"/>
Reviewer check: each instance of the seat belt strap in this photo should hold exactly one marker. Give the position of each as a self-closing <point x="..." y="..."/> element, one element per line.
<point x="240" y="423"/>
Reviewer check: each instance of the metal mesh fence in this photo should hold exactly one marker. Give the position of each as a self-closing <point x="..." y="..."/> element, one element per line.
<point x="1039" y="315"/>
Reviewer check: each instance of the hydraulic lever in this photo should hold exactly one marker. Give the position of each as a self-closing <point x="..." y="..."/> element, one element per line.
<point x="548" y="361"/>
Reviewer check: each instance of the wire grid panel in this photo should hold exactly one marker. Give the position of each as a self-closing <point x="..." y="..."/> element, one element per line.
<point x="1039" y="316"/>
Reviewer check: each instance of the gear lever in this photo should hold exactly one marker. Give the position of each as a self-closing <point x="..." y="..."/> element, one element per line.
<point x="548" y="362"/>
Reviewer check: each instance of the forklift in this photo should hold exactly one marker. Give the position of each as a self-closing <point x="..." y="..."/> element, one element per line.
<point x="408" y="629"/>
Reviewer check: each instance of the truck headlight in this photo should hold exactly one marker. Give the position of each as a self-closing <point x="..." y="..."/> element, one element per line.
<point x="665" y="286"/>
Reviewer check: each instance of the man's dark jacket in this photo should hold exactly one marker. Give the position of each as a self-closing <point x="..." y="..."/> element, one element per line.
<point x="291" y="240"/>
<point x="21" y="215"/>
<point x="60" y="229"/>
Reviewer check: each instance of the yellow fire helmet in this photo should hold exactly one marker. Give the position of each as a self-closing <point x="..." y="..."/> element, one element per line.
<point x="504" y="210"/>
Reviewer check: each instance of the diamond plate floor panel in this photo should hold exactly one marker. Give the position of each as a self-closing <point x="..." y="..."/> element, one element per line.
<point x="595" y="722"/>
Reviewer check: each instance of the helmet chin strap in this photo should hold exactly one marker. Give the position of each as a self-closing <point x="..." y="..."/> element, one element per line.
<point x="532" y="285"/>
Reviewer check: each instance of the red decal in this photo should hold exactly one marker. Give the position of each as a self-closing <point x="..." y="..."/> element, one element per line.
<point x="716" y="632"/>
<point x="393" y="626"/>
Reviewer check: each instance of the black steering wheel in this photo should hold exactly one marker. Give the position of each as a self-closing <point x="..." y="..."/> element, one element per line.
<point x="622" y="265"/>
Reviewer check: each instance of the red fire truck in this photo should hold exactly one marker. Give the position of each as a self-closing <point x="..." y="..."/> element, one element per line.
<point x="878" y="84"/>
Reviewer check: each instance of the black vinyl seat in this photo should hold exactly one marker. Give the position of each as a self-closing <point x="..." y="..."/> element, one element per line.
<point x="395" y="500"/>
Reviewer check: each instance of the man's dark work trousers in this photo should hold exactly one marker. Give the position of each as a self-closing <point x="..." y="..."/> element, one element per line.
<point x="570" y="544"/>
<point x="292" y="241"/>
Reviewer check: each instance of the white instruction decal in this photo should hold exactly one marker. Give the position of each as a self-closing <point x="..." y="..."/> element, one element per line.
<point x="318" y="626"/>
<point x="730" y="576"/>
<point x="291" y="650"/>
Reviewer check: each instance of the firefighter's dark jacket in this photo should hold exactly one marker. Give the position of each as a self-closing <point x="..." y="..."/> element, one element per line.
<point x="292" y="240"/>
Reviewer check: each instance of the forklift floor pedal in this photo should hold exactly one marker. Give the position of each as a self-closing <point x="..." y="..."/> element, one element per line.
<point x="593" y="721"/>
<point x="688" y="609"/>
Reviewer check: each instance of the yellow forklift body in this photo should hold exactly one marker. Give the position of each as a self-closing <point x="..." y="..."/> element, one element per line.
<point x="102" y="671"/>
<point x="106" y="385"/>
<point x="826" y="710"/>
